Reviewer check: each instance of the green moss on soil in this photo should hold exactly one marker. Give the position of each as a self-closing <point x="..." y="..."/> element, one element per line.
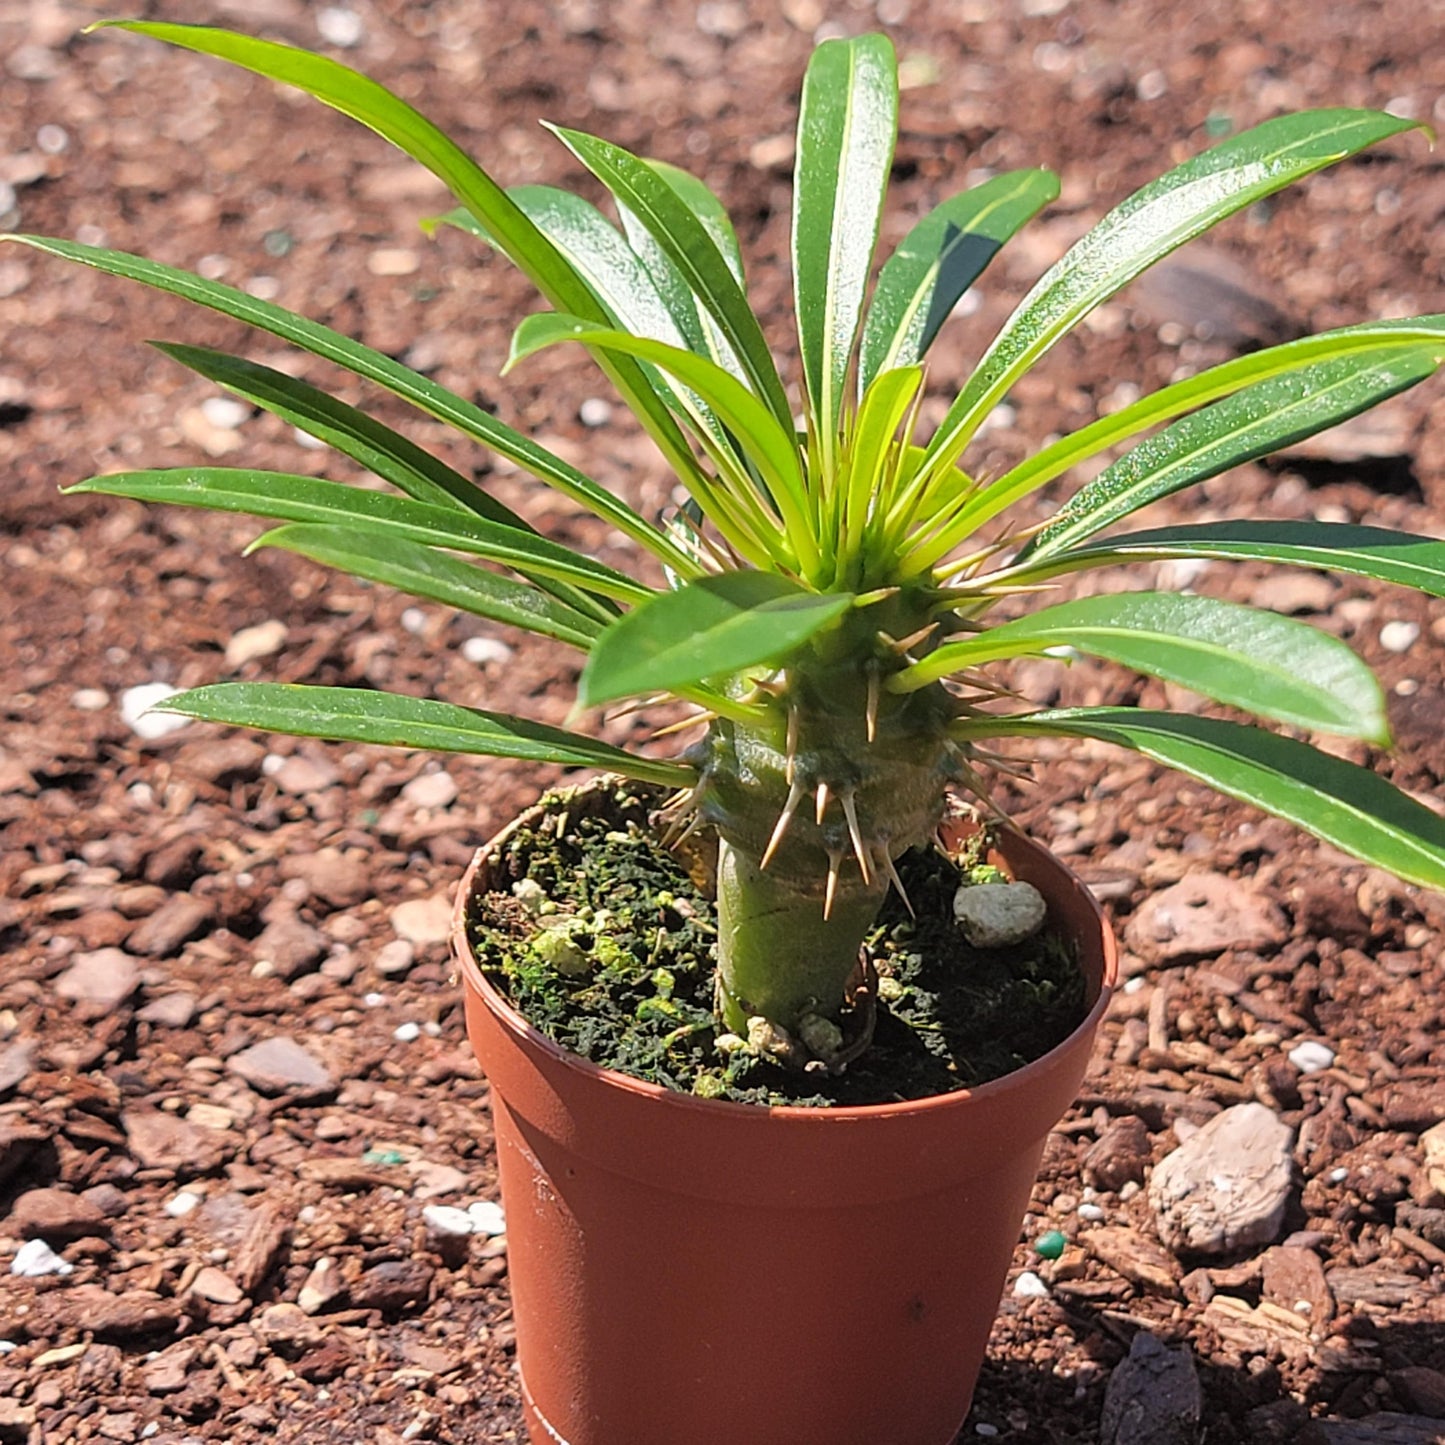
<point x="609" y="951"/>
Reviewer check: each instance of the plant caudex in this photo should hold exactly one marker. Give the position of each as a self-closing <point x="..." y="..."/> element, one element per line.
<point x="831" y="581"/>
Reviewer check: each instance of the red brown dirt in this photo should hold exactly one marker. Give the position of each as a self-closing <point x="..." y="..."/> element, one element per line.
<point x="249" y="889"/>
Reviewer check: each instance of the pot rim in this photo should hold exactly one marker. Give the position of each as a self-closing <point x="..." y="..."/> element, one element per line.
<point x="994" y="1091"/>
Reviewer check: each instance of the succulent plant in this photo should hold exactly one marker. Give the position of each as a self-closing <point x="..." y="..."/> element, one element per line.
<point x="829" y="579"/>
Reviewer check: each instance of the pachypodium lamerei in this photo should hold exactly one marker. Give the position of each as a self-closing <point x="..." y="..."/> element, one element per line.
<point x="829" y="581"/>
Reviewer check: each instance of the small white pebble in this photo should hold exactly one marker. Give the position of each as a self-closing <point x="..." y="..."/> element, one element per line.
<point x="8" y="1347"/>
<point x="340" y="27"/>
<point x="1133" y="985"/>
<point x="1338" y="1176"/>
<point x="272" y="764"/>
<point x="35" y="1258"/>
<point x="448" y="1219"/>
<point x="1303" y="1307"/>
<point x="180" y="1205"/>
<point x="985" y="1429"/>
<point x="1001" y="418"/>
<point x="1091" y="1212"/>
<point x="1310" y="1057"/>
<point x="374" y="1000"/>
<point x="413" y="619"/>
<point x="225" y="412"/>
<point x="1406" y="687"/>
<point x="432" y="1029"/>
<point x="90" y="699"/>
<point x="407" y="1033"/>
<point x="263" y="288"/>
<point x="487" y="1217"/>
<point x="307" y="1214"/>
<point x="595" y="411"/>
<point x="480" y="650"/>
<point x="1399" y="636"/>
<point x="1029" y="1286"/>
<point x="52" y="139"/>
<point x="133" y="704"/>
<point x="305" y="439"/>
<point x="1152" y="85"/>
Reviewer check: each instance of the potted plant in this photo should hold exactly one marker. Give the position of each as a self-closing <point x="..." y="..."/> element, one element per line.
<point x="690" y="1268"/>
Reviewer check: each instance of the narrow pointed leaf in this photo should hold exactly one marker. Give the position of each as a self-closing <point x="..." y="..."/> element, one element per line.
<point x="1252" y="423"/>
<point x="435" y="577"/>
<point x="354" y="715"/>
<point x="709" y="628"/>
<point x="283" y="497"/>
<point x="1405" y="558"/>
<point x="1376" y="337"/>
<point x="378" y="448"/>
<point x="847" y="126"/>
<point x="1259" y="661"/>
<point x="1348" y="806"/>
<point x="375" y="107"/>
<point x="686" y="241"/>
<point x="1178" y="206"/>
<point x="436" y="401"/>
<point x="938" y="260"/>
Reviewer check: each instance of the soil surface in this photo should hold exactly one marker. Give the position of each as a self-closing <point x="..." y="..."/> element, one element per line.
<point x="236" y="1097"/>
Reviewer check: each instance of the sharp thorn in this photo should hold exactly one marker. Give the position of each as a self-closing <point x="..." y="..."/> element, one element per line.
<point x="683" y="724"/>
<point x="780" y="828"/>
<point x="897" y="882"/>
<point x="824" y="793"/>
<point x="870" y="715"/>
<point x="850" y="811"/>
<point x="834" y="861"/>
<point x="791" y="765"/>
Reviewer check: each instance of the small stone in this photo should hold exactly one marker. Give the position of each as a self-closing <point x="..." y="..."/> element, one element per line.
<point x="1153" y="1398"/>
<point x="1399" y="636"/>
<point x="393" y="1286"/>
<point x="1029" y="1286"/>
<point x="329" y="875"/>
<point x="435" y="1181"/>
<point x="487" y="1217"/>
<point x="98" y="983"/>
<point x="1090" y="1213"/>
<point x="1311" y="1057"/>
<point x="1227" y="1186"/>
<point x="287" y="1324"/>
<point x="178" y="920"/>
<point x="135" y="701"/>
<point x="303" y="776"/>
<point x="160" y="1140"/>
<point x="340" y="27"/>
<point x="423" y="921"/>
<point x="170" y="1011"/>
<point x="216" y="1286"/>
<point x="90" y="699"/>
<point x="250" y="644"/>
<point x="395" y="958"/>
<point x="182" y="1204"/>
<point x="166" y="1374"/>
<point x="1134" y="1256"/>
<point x="35" y="1259"/>
<point x="323" y="1285"/>
<point x="446" y="1219"/>
<point x="431" y="791"/>
<point x="1201" y="916"/>
<point x="225" y="412"/>
<point x="1294" y="1279"/>
<point x="393" y="261"/>
<point x="198" y="428"/>
<point x="278" y="1065"/>
<point x="290" y="945"/>
<point x="482" y="650"/>
<point x="996" y="915"/>
<point x="1050" y="1245"/>
<point x="1119" y="1156"/>
<point x="595" y="411"/>
<point x="407" y="1033"/>
<point x="56" y="1214"/>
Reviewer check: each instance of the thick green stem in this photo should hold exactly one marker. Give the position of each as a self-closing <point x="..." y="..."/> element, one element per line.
<point x="777" y="956"/>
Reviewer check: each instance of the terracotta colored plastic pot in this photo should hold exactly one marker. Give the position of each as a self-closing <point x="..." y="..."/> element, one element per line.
<point x="695" y="1272"/>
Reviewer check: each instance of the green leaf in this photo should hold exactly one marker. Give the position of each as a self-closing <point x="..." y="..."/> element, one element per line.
<point x="287" y="498"/>
<point x="687" y="243"/>
<point x="1348" y="806"/>
<point x="1178" y="206"/>
<point x="378" y="448"/>
<point x="938" y="260"/>
<point x="874" y="460"/>
<point x="1266" y="664"/>
<point x="375" y="107"/>
<point x="1401" y="557"/>
<point x="354" y="715"/>
<point x="436" y="401"/>
<point x="1252" y="423"/>
<point x="1375" y="337"/>
<point x="710" y="628"/>
<point x="847" y="126"/>
<point x="435" y="576"/>
<point x="770" y="448"/>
